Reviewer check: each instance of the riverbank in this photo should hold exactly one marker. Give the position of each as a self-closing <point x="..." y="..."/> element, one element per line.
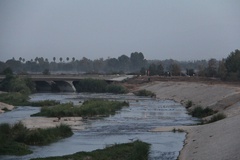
<point x="4" y="107"/>
<point x="219" y="140"/>
<point x="75" y="123"/>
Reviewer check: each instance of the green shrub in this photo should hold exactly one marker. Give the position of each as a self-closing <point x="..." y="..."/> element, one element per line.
<point x="14" y="98"/>
<point x="13" y="83"/>
<point x="44" y="103"/>
<point x="217" y="117"/>
<point x="129" y="151"/>
<point x="145" y="92"/>
<point x="14" y="148"/>
<point x="199" y="112"/>
<point x="89" y="108"/>
<point x="14" y="139"/>
<point x="8" y="145"/>
<point x="45" y="136"/>
<point x="189" y="104"/>
<point x="98" y="86"/>
<point x="91" y="85"/>
<point x="19" y="99"/>
<point x="113" y="88"/>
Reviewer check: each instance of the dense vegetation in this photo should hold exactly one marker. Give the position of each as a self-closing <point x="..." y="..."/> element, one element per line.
<point x="145" y="92"/>
<point x="13" y="83"/>
<point x="98" y="86"/>
<point x="18" y="90"/>
<point x="199" y="112"/>
<point x="129" y="151"/>
<point x="89" y="108"/>
<point x="217" y="117"/>
<point x="19" y="99"/>
<point x="14" y="140"/>
<point x="111" y="65"/>
<point x="226" y="69"/>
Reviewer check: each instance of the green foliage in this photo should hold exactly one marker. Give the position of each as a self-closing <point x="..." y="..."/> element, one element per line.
<point x="14" y="148"/>
<point x="89" y="108"/>
<point x="14" y="98"/>
<point x="44" y="103"/>
<point x="233" y="61"/>
<point x="30" y="84"/>
<point x="189" y="104"/>
<point x="45" y="136"/>
<point x="175" y="69"/>
<point x="13" y="83"/>
<point x="8" y="146"/>
<point x="129" y="151"/>
<point x="113" y="88"/>
<point x="217" y="117"/>
<point x="14" y="139"/>
<point x="137" y="61"/>
<point x="18" y="84"/>
<point x="98" y="86"/>
<point x="145" y="92"/>
<point x="211" y="70"/>
<point x="199" y="112"/>
<point x="7" y="71"/>
<point x="6" y="83"/>
<point x="91" y="85"/>
<point x="232" y="65"/>
<point x="19" y="99"/>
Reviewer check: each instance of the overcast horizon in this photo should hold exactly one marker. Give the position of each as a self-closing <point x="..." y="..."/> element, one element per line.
<point x="160" y="29"/>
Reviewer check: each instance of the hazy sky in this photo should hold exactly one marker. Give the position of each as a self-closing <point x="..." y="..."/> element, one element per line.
<point x="160" y="29"/>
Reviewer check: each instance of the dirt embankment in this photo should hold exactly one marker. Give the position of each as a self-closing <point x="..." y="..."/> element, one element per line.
<point x="219" y="140"/>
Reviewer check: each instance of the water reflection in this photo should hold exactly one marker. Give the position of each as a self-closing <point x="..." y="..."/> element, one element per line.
<point x="131" y="123"/>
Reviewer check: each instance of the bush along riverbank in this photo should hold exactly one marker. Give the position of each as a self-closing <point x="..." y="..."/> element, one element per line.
<point x="145" y="92"/>
<point x="19" y="99"/>
<point x="89" y="108"/>
<point x="14" y="139"/>
<point x="200" y="112"/>
<point x="98" y="86"/>
<point x="136" y="150"/>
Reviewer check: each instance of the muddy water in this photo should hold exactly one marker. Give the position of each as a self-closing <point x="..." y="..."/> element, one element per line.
<point x="129" y="124"/>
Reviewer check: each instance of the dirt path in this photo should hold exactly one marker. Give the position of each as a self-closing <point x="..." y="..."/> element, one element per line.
<point x="219" y="140"/>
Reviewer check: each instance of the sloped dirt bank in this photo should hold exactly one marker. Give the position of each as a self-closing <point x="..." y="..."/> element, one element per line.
<point x="219" y="140"/>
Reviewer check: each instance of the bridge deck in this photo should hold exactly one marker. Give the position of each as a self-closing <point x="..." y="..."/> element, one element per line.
<point x="117" y="78"/>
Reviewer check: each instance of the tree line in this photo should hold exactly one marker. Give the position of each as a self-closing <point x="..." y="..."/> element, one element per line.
<point x="227" y="69"/>
<point x="122" y="64"/>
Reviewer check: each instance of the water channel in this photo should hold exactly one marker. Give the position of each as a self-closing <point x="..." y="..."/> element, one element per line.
<point x="131" y="123"/>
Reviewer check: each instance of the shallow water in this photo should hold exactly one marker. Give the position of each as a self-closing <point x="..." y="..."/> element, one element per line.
<point x="131" y="123"/>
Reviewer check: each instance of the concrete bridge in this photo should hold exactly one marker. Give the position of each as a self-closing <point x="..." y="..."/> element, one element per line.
<point x="66" y="83"/>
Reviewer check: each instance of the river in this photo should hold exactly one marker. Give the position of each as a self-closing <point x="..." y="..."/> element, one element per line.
<point x="131" y="123"/>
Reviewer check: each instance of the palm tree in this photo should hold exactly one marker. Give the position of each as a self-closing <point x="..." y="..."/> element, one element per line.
<point x="67" y="59"/>
<point x="20" y="59"/>
<point x="60" y="59"/>
<point x="54" y="59"/>
<point x="36" y="59"/>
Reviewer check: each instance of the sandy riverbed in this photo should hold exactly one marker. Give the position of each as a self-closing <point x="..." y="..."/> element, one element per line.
<point x="219" y="140"/>
<point x="4" y="106"/>
<point x="44" y="122"/>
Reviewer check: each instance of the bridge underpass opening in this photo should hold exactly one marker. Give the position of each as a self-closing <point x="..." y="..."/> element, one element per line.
<point x="65" y="86"/>
<point x="43" y="86"/>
